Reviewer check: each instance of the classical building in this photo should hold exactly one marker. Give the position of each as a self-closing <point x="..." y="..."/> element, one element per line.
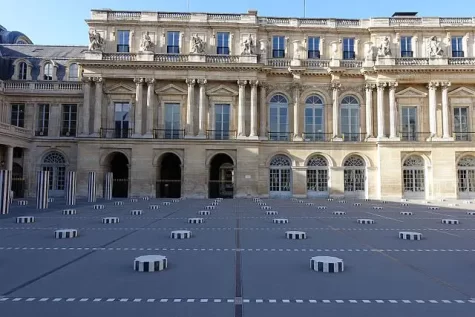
<point x="236" y="105"/>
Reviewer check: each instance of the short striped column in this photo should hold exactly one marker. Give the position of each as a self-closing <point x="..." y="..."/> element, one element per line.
<point x="42" y="187"/>
<point x="5" y="181"/>
<point x="108" y="185"/>
<point x="71" y="188"/>
<point x="326" y="264"/>
<point x="150" y="263"/>
<point x="91" y="187"/>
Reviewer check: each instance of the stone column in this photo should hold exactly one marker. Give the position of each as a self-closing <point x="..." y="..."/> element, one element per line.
<point x="445" y="111"/>
<point x="189" y="107"/>
<point x="336" y="110"/>
<point x="241" y="111"/>
<point x="253" y="132"/>
<point x="369" y="110"/>
<point x="263" y="112"/>
<point x="9" y="158"/>
<point x="380" y="101"/>
<point x="432" y="108"/>
<point x="392" y="110"/>
<point x="98" y="106"/>
<point x="86" y="106"/>
<point x="138" y="106"/>
<point x="150" y="106"/>
<point x="202" y="109"/>
<point x="296" y="99"/>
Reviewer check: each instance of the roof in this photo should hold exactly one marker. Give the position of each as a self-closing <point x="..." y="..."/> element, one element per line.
<point x="55" y="52"/>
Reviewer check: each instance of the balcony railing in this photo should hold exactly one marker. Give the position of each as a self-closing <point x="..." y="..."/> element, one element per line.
<point x="171" y="58"/>
<point x="353" y="137"/>
<point x="463" y="136"/>
<point x="317" y="137"/>
<point x="222" y="59"/>
<point x="351" y="64"/>
<point x="316" y="63"/>
<point x="221" y="134"/>
<point x="56" y="87"/>
<point x="168" y="133"/>
<point x="112" y="133"/>
<point x="462" y="61"/>
<point x="19" y="131"/>
<point x="410" y="61"/>
<point x="415" y="136"/>
<point x="278" y="62"/>
<point x="279" y="136"/>
<point x="119" y="56"/>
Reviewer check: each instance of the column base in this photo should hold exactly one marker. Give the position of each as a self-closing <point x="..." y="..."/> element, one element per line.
<point x="371" y="139"/>
<point x="137" y="136"/>
<point x="190" y="137"/>
<point x="298" y="138"/>
<point x="442" y="139"/>
<point x="241" y="137"/>
<point x="148" y="135"/>
<point x="263" y="138"/>
<point x="382" y="138"/>
<point x="337" y="139"/>
<point x="200" y="136"/>
<point x="253" y="137"/>
<point x="394" y="138"/>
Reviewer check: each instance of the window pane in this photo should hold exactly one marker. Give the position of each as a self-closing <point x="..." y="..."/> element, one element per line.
<point x="123" y="41"/>
<point x="223" y="43"/>
<point x="73" y="72"/>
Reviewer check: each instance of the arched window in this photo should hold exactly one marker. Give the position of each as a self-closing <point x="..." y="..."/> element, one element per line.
<point x="279" y="118"/>
<point x="314" y="119"/>
<point x="466" y="177"/>
<point x="73" y="72"/>
<point x="413" y="177"/>
<point x="48" y="71"/>
<point x="22" y="71"/>
<point x="280" y="176"/>
<point x="354" y="176"/>
<point x="350" y="119"/>
<point x="317" y="176"/>
<point x="55" y="163"/>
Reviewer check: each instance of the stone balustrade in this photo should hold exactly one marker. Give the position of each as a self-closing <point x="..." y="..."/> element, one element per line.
<point x="42" y="86"/>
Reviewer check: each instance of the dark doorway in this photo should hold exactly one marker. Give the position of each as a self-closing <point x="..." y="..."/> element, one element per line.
<point x="221" y="177"/>
<point x="169" y="176"/>
<point x="18" y="182"/>
<point x="119" y="166"/>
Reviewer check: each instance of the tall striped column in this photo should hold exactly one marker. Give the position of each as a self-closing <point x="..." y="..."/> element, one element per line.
<point x="91" y="187"/>
<point x="71" y="189"/>
<point x="42" y="183"/>
<point x="108" y="186"/>
<point x="5" y="183"/>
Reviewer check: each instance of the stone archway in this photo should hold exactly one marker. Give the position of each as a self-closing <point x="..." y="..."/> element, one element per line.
<point x="169" y="176"/>
<point x="18" y="181"/>
<point x="118" y="164"/>
<point x="221" y="176"/>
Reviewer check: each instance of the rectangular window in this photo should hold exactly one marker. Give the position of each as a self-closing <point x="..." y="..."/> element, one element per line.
<point x="457" y="48"/>
<point x="313" y="47"/>
<point x="173" y="42"/>
<point x="68" y="125"/>
<point x="43" y="120"/>
<point x="222" y="115"/>
<point x="121" y="118"/>
<point x="123" y="41"/>
<point x="350" y="124"/>
<point x="348" y="48"/>
<point x="172" y="121"/>
<point x="278" y="47"/>
<point x="278" y="123"/>
<point x="314" y="130"/>
<point x="409" y="124"/>
<point x="461" y="124"/>
<point x="18" y="115"/>
<point x="406" y="46"/>
<point x="223" y="43"/>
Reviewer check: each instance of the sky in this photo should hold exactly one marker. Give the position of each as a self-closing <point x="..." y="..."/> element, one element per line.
<point x="61" y="22"/>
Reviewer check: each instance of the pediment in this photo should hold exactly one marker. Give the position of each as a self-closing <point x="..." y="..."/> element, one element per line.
<point x="462" y="92"/>
<point x="411" y="93"/>
<point x="222" y="90"/>
<point x="120" y="89"/>
<point x="171" y="89"/>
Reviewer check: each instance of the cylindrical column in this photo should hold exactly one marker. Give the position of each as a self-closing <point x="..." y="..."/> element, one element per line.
<point x="42" y="188"/>
<point x="263" y="111"/>
<point x="336" y="120"/>
<point x="241" y="110"/>
<point x="202" y="108"/>
<point x="86" y="106"/>
<point x="253" y="132"/>
<point x="91" y="187"/>
<point x="5" y="181"/>
<point x="380" y="101"/>
<point x="432" y="108"/>
<point x="392" y="110"/>
<point x="9" y="158"/>
<point x="150" y="93"/>
<point x="445" y="110"/>
<point x="71" y="188"/>
<point x="108" y="179"/>
<point x="138" y="106"/>
<point x="369" y="110"/>
<point x="189" y="107"/>
<point x="98" y="105"/>
<point x="296" y="97"/>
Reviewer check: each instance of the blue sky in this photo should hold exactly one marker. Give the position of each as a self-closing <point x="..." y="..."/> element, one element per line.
<point x="61" y="22"/>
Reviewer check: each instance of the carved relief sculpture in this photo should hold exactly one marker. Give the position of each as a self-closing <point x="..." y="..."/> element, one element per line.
<point x="369" y="54"/>
<point x="434" y="47"/>
<point x="248" y="46"/>
<point x="96" y="42"/>
<point x="384" y="49"/>
<point x="334" y="48"/>
<point x="146" y="44"/>
<point x="197" y="45"/>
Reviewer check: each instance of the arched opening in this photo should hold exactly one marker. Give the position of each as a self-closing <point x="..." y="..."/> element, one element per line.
<point x="18" y="182"/>
<point x="466" y="177"/>
<point x="354" y="177"/>
<point x="280" y="176"/>
<point x="169" y="176"/>
<point x="119" y="166"/>
<point x="413" y="177"/>
<point x="317" y="177"/>
<point x="55" y="163"/>
<point x="221" y="177"/>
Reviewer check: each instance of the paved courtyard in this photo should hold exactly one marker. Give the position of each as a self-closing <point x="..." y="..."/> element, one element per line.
<point x="238" y="262"/>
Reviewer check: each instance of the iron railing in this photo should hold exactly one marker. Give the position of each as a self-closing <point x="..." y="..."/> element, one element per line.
<point x="317" y="137"/>
<point x="168" y="133"/>
<point x="221" y="134"/>
<point x="279" y="136"/>
<point x="463" y="136"/>
<point x="414" y="136"/>
<point x="113" y="133"/>
<point x="353" y="137"/>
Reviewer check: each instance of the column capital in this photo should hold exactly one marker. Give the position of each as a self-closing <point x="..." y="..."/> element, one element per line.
<point x="381" y="85"/>
<point x="138" y="81"/>
<point x="86" y="80"/>
<point x="432" y="85"/>
<point x="263" y="84"/>
<point x="242" y="83"/>
<point x="202" y="82"/>
<point x="392" y="85"/>
<point x="190" y="81"/>
<point x="370" y="86"/>
<point x="445" y="84"/>
<point x="335" y="85"/>
<point x="150" y="81"/>
<point x="254" y="83"/>
<point x="98" y="80"/>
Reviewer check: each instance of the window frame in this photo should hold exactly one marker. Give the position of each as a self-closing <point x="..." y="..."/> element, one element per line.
<point x="278" y="52"/>
<point x="122" y="131"/>
<point x="406" y="49"/>
<point x="19" y="113"/>
<point x="123" y="47"/>
<point x="48" y="66"/>
<point x="173" y="48"/>
<point x="42" y="119"/>
<point x="281" y="135"/>
<point x="351" y="107"/>
<point x="71" y="129"/>
<point x="314" y="135"/>
<point x="313" y="47"/>
<point x="22" y="71"/>
<point x="411" y="135"/>
<point x="76" y="72"/>
<point x="175" y="111"/>
<point x="457" y="49"/>
<point x="461" y="135"/>
<point x="224" y="48"/>
<point x="220" y="133"/>
<point x="348" y="44"/>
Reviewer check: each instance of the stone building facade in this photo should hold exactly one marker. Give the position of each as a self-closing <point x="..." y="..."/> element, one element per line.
<point x="237" y="105"/>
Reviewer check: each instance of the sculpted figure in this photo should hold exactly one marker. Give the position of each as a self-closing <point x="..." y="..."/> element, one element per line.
<point x="96" y="42"/>
<point x="198" y="46"/>
<point x="146" y="43"/>
<point x="434" y="47"/>
<point x="248" y="46"/>
<point x="384" y="48"/>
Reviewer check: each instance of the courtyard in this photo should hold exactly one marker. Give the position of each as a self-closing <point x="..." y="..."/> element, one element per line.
<point x="238" y="262"/>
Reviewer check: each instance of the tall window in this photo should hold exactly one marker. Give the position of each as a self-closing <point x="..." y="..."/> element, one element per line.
<point x="222" y="115"/>
<point x="409" y="123"/>
<point x="172" y="121"/>
<point x="313" y="47"/>
<point x="317" y="176"/>
<point x="48" y="71"/>
<point x="348" y="48"/>
<point x="123" y="41"/>
<point x="73" y="72"/>
<point x="466" y="177"/>
<point x="314" y="119"/>
<point x="223" y="43"/>
<point x="68" y="126"/>
<point x="173" y="42"/>
<point x="18" y="115"/>
<point x="350" y="119"/>
<point x="55" y="163"/>
<point x="22" y="71"/>
<point x="354" y="176"/>
<point x="279" y="118"/>
<point x="457" y="48"/>
<point x="121" y="117"/>
<point x="461" y="124"/>
<point x="278" y="47"/>
<point x="280" y="175"/>
<point x="43" y="120"/>
<point x="413" y="177"/>
<point x="406" y="46"/>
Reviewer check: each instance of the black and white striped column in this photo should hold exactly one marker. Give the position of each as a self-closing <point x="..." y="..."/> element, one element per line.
<point x="91" y="187"/>
<point x="5" y="181"/>
<point x="42" y="183"/>
<point x="327" y="264"/>
<point x="71" y="188"/>
<point x="108" y="185"/>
